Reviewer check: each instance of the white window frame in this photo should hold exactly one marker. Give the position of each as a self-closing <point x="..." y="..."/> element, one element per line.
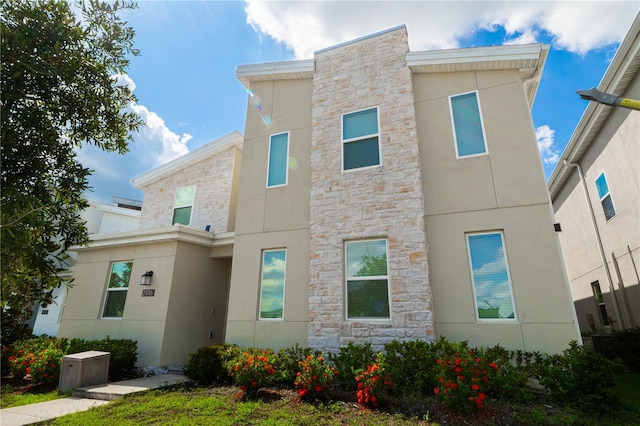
<point x="453" y="126"/>
<point x="176" y="206"/>
<point x="115" y="289"/>
<point x="359" y="138"/>
<point x="284" y="282"/>
<point x="608" y="194"/>
<point x="473" y="282"/>
<point x="366" y="278"/>
<point x="286" y="171"/>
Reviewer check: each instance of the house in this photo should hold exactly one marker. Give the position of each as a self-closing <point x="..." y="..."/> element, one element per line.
<point x="99" y="218"/>
<point x="595" y="189"/>
<point x="377" y="194"/>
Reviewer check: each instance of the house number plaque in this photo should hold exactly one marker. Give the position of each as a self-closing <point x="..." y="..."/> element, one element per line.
<point x="148" y="292"/>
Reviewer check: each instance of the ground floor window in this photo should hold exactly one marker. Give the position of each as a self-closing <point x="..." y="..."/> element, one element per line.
<point x="602" y="308"/>
<point x="367" y="279"/>
<point x="117" y="289"/>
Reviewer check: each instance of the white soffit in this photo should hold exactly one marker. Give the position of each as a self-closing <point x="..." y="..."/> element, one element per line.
<point x="234" y="138"/>
<point x="270" y="71"/>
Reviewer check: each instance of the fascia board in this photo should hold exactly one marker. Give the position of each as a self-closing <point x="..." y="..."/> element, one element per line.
<point x="274" y="71"/>
<point x="475" y="54"/>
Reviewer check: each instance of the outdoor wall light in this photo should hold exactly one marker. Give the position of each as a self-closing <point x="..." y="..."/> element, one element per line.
<point x="145" y="279"/>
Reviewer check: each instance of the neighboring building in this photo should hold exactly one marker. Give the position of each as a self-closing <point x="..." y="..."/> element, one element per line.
<point x="100" y="218"/>
<point x="379" y="194"/>
<point x="595" y="190"/>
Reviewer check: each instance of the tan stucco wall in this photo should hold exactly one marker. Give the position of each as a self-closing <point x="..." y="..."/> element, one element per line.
<point x="269" y="218"/>
<point x="616" y="152"/>
<point x="213" y="179"/>
<point x="504" y="190"/>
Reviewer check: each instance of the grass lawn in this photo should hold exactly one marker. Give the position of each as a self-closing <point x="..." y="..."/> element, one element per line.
<point x="223" y="405"/>
<point x="12" y="396"/>
<point x="627" y="389"/>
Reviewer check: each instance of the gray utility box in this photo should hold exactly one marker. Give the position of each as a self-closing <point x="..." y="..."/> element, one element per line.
<point x="83" y="369"/>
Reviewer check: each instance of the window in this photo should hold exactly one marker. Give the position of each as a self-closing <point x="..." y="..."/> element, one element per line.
<point x="272" y="286"/>
<point x="278" y="156"/>
<point x="490" y="275"/>
<point x="117" y="289"/>
<point x="605" y="196"/>
<point x="360" y="139"/>
<point x="602" y="309"/>
<point x="468" y="131"/>
<point x="183" y="204"/>
<point x="367" y="279"/>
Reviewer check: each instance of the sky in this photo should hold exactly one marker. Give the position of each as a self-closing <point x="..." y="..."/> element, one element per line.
<point x="188" y="94"/>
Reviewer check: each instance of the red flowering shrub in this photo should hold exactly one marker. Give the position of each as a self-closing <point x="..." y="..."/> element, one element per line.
<point x="314" y="378"/>
<point x="462" y="380"/>
<point x="373" y="384"/>
<point x="253" y="371"/>
<point x="41" y="365"/>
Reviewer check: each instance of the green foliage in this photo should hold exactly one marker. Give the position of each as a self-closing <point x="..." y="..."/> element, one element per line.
<point x="287" y="362"/>
<point x="314" y="378"/>
<point x="58" y="94"/>
<point x="253" y="371"/>
<point x="412" y="365"/>
<point x="581" y="378"/>
<point x="209" y="364"/>
<point x="513" y="378"/>
<point x="123" y="358"/>
<point x="625" y="345"/>
<point x="37" y="358"/>
<point x="374" y="383"/>
<point x="350" y="361"/>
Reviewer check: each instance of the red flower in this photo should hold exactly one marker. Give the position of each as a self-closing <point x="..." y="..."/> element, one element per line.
<point x="493" y="365"/>
<point x="475" y="387"/>
<point x="436" y="390"/>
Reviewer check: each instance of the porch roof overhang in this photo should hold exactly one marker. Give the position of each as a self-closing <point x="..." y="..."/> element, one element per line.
<point x="179" y="233"/>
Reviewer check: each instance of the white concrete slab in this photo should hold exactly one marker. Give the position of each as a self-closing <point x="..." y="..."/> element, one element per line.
<point x="33" y="413"/>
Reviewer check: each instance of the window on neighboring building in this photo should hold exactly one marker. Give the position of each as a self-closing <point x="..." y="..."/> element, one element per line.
<point x="468" y="131"/>
<point x="602" y="309"/>
<point x="367" y="279"/>
<point x="117" y="289"/>
<point x="183" y="204"/>
<point x="277" y="173"/>
<point x="272" y="286"/>
<point x="605" y="196"/>
<point x="490" y="275"/>
<point x="360" y="139"/>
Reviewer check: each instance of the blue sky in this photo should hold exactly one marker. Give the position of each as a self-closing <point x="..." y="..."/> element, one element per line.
<point x="188" y="94"/>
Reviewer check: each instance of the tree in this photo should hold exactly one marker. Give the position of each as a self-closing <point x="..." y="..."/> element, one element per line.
<point x="59" y="92"/>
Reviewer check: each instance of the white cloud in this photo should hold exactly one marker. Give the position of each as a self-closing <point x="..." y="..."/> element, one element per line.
<point x="124" y="80"/>
<point x="576" y="26"/>
<point x="546" y="143"/>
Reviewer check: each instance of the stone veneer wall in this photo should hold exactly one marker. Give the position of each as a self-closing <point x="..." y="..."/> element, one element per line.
<point x="384" y="201"/>
<point x="213" y="179"/>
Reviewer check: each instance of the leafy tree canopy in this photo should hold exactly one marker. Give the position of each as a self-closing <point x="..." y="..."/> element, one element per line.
<point x="59" y="92"/>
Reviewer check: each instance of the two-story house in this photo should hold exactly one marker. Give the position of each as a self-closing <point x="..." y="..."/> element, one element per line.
<point x="378" y="194"/>
<point x="595" y="190"/>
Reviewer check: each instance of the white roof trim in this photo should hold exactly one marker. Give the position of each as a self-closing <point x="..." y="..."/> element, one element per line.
<point x="475" y="54"/>
<point x="178" y="232"/>
<point x="234" y="138"/>
<point x="288" y="70"/>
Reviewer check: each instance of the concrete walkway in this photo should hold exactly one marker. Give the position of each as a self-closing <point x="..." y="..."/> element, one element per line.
<point x="84" y="399"/>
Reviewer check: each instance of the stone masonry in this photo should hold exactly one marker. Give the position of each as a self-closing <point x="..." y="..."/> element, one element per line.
<point x="378" y="202"/>
<point x="212" y="177"/>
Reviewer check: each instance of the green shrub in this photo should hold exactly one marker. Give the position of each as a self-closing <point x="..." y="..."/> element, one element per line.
<point x="253" y="371"/>
<point x="352" y="360"/>
<point x="123" y="358"/>
<point x="512" y="379"/>
<point x="580" y="378"/>
<point x="374" y="383"/>
<point x="412" y="364"/>
<point x="209" y="364"/>
<point x="287" y="362"/>
<point x="314" y="378"/>
<point x="625" y="345"/>
<point x="38" y="358"/>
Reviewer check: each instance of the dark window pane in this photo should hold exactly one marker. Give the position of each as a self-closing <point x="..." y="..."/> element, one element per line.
<point x="368" y="299"/>
<point x="114" y="305"/>
<point x="607" y="206"/>
<point x="361" y="153"/>
<point x="361" y="123"/>
<point x="182" y="216"/>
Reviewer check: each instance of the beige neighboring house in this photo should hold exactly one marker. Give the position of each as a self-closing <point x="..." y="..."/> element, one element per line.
<point x="100" y="218"/>
<point x="378" y="194"/>
<point x="595" y="190"/>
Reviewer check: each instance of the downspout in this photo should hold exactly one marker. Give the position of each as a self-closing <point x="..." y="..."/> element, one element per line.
<point x="603" y="257"/>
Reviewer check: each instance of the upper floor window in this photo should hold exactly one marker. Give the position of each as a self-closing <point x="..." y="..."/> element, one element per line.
<point x="183" y="204"/>
<point x="117" y="289"/>
<point x="490" y="275"/>
<point x="605" y="196"/>
<point x="277" y="173"/>
<point x="367" y="279"/>
<point x="360" y="139"/>
<point x="274" y="264"/>
<point x="468" y="130"/>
